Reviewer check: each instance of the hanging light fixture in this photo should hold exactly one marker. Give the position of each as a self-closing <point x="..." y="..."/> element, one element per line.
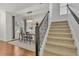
<point x="29" y="20"/>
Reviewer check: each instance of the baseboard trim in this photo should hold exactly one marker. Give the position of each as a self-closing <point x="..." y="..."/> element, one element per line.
<point x="12" y="40"/>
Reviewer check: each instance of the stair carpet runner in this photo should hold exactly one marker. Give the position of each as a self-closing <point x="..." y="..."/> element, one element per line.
<point x="59" y="40"/>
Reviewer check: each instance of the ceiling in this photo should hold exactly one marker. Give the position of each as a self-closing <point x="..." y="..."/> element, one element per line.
<point x="37" y="9"/>
<point x="23" y="8"/>
<point x="12" y="7"/>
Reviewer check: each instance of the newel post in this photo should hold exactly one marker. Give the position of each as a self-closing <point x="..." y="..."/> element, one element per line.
<point x="37" y="39"/>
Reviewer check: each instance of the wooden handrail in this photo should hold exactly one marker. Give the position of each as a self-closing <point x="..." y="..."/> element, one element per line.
<point x="73" y="14"/>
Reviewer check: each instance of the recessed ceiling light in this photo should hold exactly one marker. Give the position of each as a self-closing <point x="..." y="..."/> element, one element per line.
<point x="29" y="12"/>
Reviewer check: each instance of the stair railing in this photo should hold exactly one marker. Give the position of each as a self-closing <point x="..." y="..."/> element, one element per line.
<point x="40" y="31"/>
<point x="73" y="14"/>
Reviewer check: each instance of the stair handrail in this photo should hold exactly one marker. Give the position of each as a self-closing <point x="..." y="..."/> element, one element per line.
<point x="73" y="14"/>
<point x="43" y="19"/>
<point x="38" y="34"/>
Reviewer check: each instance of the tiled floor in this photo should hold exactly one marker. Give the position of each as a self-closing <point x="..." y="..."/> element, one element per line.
<point x="7" y="49"/>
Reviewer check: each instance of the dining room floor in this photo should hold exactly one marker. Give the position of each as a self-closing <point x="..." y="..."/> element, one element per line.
<point x="10" y="49"/>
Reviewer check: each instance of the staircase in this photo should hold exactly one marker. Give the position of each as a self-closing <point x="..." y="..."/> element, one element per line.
<point x="59" y="40"/>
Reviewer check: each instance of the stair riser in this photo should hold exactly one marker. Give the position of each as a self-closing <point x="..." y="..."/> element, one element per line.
<point x="55" y="35"/>
<point x="61" y="41"/>
<point x="59" y="25"/>
<point x="55" y="31"/>
<point x="59" y="28"/>
<point x="50" y="54"/>
<point x="60" y="38"/>
<point x="60" y="22"/>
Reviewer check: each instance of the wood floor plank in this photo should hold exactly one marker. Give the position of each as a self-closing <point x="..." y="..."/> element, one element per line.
<point x="7" y="49"/>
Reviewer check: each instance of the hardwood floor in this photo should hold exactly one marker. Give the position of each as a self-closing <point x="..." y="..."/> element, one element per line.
<point x="7" y="49"/>
<point x="23" y="52"/>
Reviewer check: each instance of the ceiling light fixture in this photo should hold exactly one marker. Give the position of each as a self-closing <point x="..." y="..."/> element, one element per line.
<point x="29" y="12"/>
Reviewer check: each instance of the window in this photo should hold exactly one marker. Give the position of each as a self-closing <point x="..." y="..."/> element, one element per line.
<point x="63" y="8"/>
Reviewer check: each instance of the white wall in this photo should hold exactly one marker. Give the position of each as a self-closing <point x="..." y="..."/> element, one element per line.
<point x="2" y="25"/>
<point x="8" y="26"/>
<point x="63" y="8"/>
<point x="74" y="26"/>
<point x="55" y="12"/>
<point x="50" y="12"/>
<point x="9" y="30"/>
